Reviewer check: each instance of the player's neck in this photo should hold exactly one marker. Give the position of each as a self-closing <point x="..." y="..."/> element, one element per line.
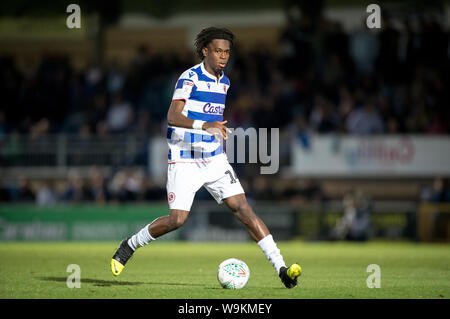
<point x="211" y="71"/>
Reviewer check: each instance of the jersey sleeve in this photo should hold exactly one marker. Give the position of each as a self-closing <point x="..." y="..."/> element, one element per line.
<point x="184" y="86"/>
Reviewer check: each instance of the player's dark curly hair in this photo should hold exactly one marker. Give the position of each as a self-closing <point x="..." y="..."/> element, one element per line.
<point x="207" y="35"/>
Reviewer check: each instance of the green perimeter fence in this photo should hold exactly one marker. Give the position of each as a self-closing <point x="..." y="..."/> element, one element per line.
<point x="75" y="222"/>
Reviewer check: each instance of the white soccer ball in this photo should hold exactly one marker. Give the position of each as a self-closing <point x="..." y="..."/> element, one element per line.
<point x="233" y="274"/>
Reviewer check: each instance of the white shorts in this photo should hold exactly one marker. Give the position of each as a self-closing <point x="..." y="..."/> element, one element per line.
<point x="185" y="179"/>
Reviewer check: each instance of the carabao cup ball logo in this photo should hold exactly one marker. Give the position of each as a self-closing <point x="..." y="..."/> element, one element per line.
<point x="171" y="197"/>
<point x="233" y="274"/>
<point x="235" y="269"/>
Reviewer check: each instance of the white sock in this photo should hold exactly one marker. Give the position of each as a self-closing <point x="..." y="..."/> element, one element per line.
<point x="140" y="239"/>
<point x="272" y="252"/>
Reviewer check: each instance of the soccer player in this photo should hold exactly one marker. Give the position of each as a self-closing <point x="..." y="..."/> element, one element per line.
<point x="196" y="158"/>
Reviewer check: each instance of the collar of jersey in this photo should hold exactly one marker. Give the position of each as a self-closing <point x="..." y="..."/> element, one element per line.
<point x="202" y="65"/>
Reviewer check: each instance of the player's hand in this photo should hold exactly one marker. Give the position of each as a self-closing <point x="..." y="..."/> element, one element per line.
<point x="217" y="129"/>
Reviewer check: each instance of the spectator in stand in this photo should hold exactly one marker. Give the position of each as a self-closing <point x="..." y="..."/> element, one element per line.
<point x="135" y="184"/>
<point x="25" y="192"/>
<point x="97" y="111"/>
<point x="365" y="120"/>
<point x="76" y="190"/>
<point x="364" y="49"/>
<point x="261" y="190"/>
<point x="154" y="192"/>
<point x="120" y="115"/>
<point x="323" y="119"/>
<point x="115" y="77"/>
<point x="117" y="187"/>
<point x="98" y="188"/>
<point x="439" y="191"/>
<point x="312" y="191"/>
<point x="355" y="224"/>
<point x="46" y="195"/>
<point x="128" y="185"/>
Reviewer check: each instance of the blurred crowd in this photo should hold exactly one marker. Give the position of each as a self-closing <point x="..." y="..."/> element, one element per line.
<point x="438" y="191"/>
<point x="320" y="78"/>
<point x="129" y="184"/>
<point x="132" y="184"/>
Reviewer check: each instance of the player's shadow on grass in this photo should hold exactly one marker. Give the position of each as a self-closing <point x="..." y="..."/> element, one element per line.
<point x="106" y="283"/>
<point x="95" y="282"/>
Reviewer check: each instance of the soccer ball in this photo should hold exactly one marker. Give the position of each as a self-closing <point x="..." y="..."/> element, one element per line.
<point x="233" y="274"/>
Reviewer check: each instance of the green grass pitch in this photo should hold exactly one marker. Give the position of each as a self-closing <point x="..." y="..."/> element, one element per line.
<point x="184" y="270"/>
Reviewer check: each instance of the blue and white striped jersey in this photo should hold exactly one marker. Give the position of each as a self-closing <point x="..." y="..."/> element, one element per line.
<point x="204" y="97"/>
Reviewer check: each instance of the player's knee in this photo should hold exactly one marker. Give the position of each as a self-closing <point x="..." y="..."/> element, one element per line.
<point x="237" y="204"/>
<point x="243" y="211"/>
<point x="177" y="219"/>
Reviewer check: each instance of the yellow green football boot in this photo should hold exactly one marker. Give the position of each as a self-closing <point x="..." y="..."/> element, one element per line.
<point x="289" y="275"/>
<point x="120" y="258"/>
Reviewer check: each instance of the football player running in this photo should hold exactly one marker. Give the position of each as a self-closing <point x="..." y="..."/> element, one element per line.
<point x="196" y="158"/>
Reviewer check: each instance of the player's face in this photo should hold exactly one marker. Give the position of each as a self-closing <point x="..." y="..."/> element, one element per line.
<point x="217" y="54"/>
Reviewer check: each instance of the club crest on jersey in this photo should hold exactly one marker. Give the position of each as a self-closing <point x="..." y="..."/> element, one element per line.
<point x="225" y="89"/>
<point x="209" y="86"/>
<point x="171" y="197"/>
<point x="191" y="74"/>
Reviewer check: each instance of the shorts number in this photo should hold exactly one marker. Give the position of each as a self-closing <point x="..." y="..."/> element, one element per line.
<point x="233" y="178"/>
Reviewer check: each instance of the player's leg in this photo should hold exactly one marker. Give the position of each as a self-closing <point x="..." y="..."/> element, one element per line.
<point x="245" y="214"/>
<point x="181" y="189"/>
<point x="224" y="186"/>
<point x="166" y="224"/>
<point x="160" y="226"/>
<point x="259" y="233"/>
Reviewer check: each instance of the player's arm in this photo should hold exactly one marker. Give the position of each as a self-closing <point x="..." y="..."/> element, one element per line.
<point x="176" y="118"/>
